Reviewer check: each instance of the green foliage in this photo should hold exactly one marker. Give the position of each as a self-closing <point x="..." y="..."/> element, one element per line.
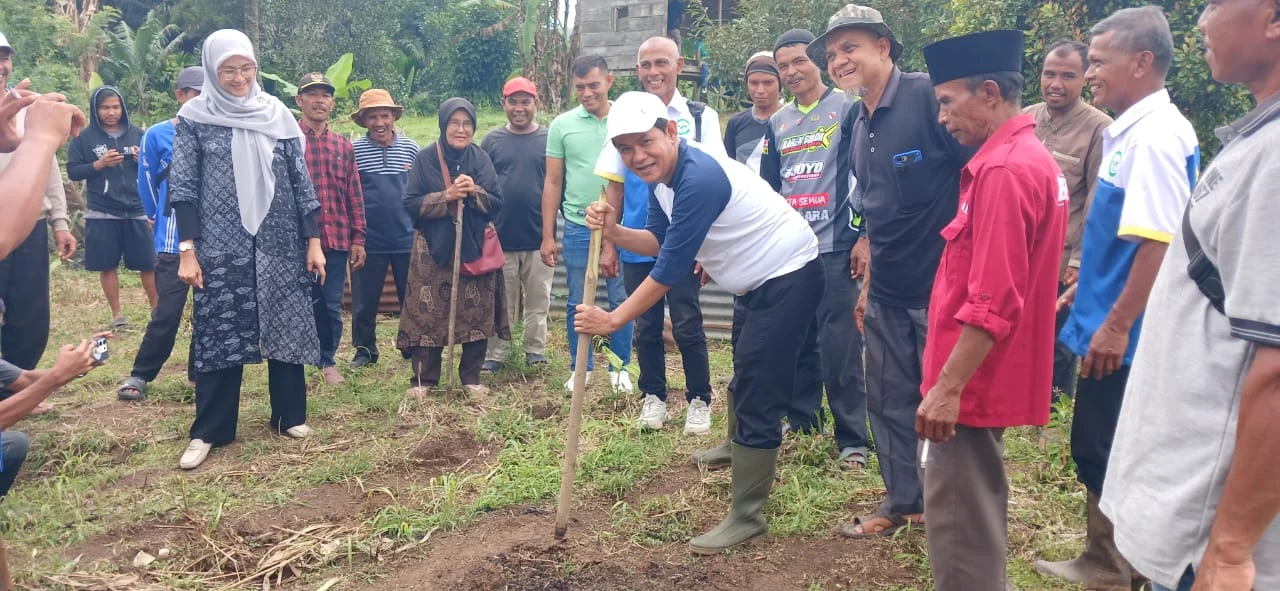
<point x="340" y="75"/>
<point x="1206" y="103"/>
<point x="47" y="47"/>
<point x="475" y="47"/>
<point x="140" y="61"/>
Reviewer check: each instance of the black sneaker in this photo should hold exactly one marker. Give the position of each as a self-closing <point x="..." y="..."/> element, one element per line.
<point x="490" y="367"/>
<point x="362" y="361"/>
<point x="535" y="359"/>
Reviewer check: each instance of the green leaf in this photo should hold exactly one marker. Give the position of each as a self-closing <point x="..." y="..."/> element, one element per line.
<point x="283" y="86"/>
<point x="95" y="80"/>
<point x="340" y="71"/>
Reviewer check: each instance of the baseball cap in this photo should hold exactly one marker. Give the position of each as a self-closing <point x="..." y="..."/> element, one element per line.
<point x="314" y="79"/>
<point x="4" y="43"/>
<point x="519" y="84"/>
<point x="634" y="112"/>
<point x="191" y="77"/>
<point x="853" y="15"/>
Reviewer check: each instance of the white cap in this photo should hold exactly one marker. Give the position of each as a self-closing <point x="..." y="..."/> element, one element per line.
<point x="634" y="112"/>
<point x="4" y="43"/>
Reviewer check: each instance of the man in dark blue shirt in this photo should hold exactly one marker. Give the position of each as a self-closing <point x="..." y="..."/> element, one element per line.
<point x="908" y="171"/>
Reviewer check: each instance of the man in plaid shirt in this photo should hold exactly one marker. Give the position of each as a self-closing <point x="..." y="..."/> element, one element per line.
<point x="332" y="162"/>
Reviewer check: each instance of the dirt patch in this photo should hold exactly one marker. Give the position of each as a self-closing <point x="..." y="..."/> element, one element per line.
<point x="545" y="410"/>
<point x="327" y="503"/>
<point x="445" y="452"/>
<point x="120" y="546"/>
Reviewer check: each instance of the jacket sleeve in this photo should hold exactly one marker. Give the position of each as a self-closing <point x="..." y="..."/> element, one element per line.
<point x="303" y="191"/>
<point x="355" y="193"/>
<point x="1001" y="228"/>
<point x="148" y="167"/>
<point x="79" y="164"/>
<point x="184" y="179"/>
<point x="55" y="199"/>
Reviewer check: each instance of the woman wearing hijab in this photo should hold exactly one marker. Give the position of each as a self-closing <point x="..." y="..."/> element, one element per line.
<point x="246" y="214"/>
<point x="432" y="203"/>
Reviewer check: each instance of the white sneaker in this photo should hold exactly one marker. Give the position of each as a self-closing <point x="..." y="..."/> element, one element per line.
<point x="195" y="455"/>
<point x="298" y="432"/>
<point x="653" y="414"/>
<point x="568" y="386"/>
<point x="621" y="381"/>
<point x="697" y="419"/>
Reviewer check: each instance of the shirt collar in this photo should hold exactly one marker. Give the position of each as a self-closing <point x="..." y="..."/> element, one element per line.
<point x="1139" y="110"/>
<point x="1003" y="135"/>
<point x="584" y="113"/>
<point x="1252" y="121"/>
<point x="890" y="93"/>
<point x="679" y="106"/>
<point x="311" y="132"/>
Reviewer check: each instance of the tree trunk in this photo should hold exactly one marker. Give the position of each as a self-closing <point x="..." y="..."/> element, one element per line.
<point x="251" y="22"/>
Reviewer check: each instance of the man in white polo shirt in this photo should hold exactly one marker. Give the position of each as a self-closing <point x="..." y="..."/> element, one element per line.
<point x="1150" y="157"/>
<point x="715" y="211"/>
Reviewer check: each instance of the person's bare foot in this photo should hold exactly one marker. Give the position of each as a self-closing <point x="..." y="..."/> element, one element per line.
<point x="881" y="525"/>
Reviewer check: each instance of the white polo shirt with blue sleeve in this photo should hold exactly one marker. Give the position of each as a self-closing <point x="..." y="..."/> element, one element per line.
<point x="1150" y="161"/>
<point x="718" y="213"/>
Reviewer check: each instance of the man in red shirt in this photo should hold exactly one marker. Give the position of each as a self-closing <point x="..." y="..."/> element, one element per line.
<point x="988" y="362"/>
<point x="331" y="159"/>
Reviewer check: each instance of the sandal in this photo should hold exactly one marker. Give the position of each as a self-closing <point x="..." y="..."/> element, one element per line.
<point x="119" y="323"/>
<point x="897" y="523"/>
<point x="852" y="460"/>
<point x="132" y="389"/>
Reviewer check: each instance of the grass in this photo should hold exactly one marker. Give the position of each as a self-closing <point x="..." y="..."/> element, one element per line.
<point x="388" y="477"/>
<point x="425" y="130"/>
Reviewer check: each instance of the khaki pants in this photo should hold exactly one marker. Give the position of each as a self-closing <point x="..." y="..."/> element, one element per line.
<point x="528" y="284"/>
<point x="966" y="503"/>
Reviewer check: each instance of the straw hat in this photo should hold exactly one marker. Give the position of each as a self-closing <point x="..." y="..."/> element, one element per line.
<point x="375" y="98"/>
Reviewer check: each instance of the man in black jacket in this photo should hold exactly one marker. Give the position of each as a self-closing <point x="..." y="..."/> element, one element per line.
<point x="105" y="156"/>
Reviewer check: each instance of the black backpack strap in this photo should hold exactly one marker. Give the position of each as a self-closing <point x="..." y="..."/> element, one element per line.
<point x="696" y="108"/>
<point x="1201" y="270"/>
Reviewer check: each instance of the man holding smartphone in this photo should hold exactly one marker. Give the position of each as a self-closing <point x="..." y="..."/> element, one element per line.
<point x="105" y="156"/>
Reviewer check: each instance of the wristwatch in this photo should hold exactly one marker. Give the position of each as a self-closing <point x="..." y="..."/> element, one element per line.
<point x="186" y="245"/>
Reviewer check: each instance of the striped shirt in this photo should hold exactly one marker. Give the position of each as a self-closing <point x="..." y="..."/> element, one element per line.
<point x="383" y="173"/>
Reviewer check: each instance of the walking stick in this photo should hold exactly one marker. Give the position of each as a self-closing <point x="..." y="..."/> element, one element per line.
<point x="453" y="294"/>
<point x="569" y="468"/>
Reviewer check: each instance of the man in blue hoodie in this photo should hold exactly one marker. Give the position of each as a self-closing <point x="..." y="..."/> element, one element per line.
<point x="105" y="156"/>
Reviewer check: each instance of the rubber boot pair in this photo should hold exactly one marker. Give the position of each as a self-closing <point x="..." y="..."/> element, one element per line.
<point x="753" y="473"/>
<point x="720" y="455"/>
<point x="1100" y="566"/>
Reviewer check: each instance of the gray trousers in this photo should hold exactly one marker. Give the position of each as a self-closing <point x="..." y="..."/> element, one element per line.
<point x="832" y="357"/>
<point x="895" y="350"/>
<point x="966" y="496"/>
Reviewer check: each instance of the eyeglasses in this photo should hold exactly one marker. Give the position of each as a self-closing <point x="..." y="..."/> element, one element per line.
<point x="461" y="125"/>
<point x="233" y="73"/>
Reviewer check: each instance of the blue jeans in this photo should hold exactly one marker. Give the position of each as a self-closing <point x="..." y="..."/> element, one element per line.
<point x="577" y="243"/>
<point x="13" y="451"/>
<point x="335" y="272"/>
<point x="1188" y="579"/>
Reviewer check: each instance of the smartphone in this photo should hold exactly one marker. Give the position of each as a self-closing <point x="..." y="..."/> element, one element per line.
<point x="99" y="352"/>
<point x="901" y="161"/>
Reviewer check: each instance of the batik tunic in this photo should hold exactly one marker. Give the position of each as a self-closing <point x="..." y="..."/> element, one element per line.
<point x="256" y="302"/>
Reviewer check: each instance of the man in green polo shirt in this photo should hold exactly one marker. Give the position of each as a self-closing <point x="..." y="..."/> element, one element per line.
<point x="574" y="142"/>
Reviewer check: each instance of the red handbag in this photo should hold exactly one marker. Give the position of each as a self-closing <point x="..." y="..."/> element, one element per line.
<point x="491" y="255"/>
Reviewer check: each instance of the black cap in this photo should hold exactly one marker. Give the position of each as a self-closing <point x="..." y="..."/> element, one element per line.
<point x="793" y="37"/>
<point x="312" y="80"/>
<point x="971" y="55"/>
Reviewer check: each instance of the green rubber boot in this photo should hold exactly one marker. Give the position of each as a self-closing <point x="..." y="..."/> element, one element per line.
<point x="720" y="455"/>
<point x="753" y="472"/>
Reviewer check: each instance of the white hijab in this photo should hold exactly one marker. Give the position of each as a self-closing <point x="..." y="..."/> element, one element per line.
<point x="257" y="122"/>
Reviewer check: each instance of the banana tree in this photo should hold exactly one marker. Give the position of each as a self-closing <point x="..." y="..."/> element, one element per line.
<point x="339" y="74"/>
<point x="135" y="55"/>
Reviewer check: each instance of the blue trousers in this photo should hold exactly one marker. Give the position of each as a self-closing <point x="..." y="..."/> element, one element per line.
<point x="335" y="270"/>
<point x="577" y="243"/>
